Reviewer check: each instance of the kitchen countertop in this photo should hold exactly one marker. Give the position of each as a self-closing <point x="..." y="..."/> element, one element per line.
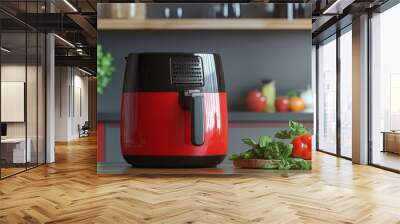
<point x="224" y="169"/>
<point x="237" y="116"/>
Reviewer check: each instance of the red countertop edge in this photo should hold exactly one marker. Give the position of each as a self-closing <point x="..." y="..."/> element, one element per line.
<point x="100" y="142"/>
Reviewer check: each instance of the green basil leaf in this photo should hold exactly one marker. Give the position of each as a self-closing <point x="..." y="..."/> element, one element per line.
<point x="264" y="140"/>
<point x="299" y="164"/>
<point x="297" y="128"/>
<point x="283" y="135"/>
<point x="249" y="154"/>
<point x="284" y="165"/>
<point x="250" y="142"/>
<point x="292" y="125"/>
<point x="259" y="152"/>
<point x="234" y="157"/>
<point x="287" y="150"/>
<point x="271" y="166"/>
<point x="276" y="151"/>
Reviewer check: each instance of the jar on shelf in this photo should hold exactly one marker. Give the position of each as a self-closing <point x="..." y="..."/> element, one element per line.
<point x="268" y="90"/>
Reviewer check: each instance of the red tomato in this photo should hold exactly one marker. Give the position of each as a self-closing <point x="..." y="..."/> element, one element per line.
<point x="282" y="104"/>
<point x="302" y="147"/>
<point x="255" y="101"/>
<point x="307" y="155"/>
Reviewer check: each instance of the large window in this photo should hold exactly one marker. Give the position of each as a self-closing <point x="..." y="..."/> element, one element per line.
<point x="346" y="93"/>
<point x="327" y="96"/>
<point x="22" y="101"/>
<point x="334" y="104"/>
<point x="385" y="89"/>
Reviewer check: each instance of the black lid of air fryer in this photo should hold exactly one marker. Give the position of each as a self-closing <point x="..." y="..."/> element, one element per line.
<point x="166" y="72"/>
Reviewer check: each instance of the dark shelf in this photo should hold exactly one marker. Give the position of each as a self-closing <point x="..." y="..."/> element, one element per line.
<point x="237" y="116"/>
<point x="246" y="116"/>
<point x="108" y="117"/>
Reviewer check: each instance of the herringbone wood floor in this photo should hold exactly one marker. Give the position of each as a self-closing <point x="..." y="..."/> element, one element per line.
<point x="69" y="191"/>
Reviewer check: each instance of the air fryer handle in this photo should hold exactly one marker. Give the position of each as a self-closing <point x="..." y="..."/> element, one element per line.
<point x="197" y="113"/>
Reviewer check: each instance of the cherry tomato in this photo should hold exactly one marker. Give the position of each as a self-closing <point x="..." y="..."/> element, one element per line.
<point x="302" y="147"/>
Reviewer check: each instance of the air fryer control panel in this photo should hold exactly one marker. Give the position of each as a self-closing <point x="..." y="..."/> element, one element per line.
<point x="186" y="71"/>
<point x="174" y="72"/>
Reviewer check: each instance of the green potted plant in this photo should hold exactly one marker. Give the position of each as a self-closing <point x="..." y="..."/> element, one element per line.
<point x="104" y="69"/>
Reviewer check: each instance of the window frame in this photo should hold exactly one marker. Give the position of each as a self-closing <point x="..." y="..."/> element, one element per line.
<point x="334" y="37"/>
<point x="31" y="30"/>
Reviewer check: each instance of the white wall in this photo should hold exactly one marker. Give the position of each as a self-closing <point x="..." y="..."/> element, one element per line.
<point x="9" y="73"/>
<point x="12" y="73"/>
<point x="61" y="103"/>
<point x="33" y="126"/>
<point x="80" y="96"/>
<point x="71" y="92"/>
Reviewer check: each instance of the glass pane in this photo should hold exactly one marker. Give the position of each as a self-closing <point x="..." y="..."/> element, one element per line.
<point x="31" y="87"/>
<point x="346" y="94"/>
<point x="327" y="96"/>
<point x="13" y="86"/>
<point x="386" y="89"/>
<point x="41" y="98"/>
<point x="31" y="97"/>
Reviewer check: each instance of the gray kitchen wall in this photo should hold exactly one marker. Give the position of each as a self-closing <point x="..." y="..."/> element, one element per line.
<point x="248" y="57"/>
<point x="113" y="145"/>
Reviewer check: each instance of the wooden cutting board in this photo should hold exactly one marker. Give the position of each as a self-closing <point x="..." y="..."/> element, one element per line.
<point x="253" y="163"/>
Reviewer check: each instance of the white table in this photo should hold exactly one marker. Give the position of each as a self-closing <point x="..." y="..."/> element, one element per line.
<point x="19" y="155"/>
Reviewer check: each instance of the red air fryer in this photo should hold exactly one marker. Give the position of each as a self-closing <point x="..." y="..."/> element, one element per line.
<point x="174" y="110"/>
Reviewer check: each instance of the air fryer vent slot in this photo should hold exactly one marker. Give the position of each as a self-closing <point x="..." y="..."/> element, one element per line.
<point x="187" y="71"/>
